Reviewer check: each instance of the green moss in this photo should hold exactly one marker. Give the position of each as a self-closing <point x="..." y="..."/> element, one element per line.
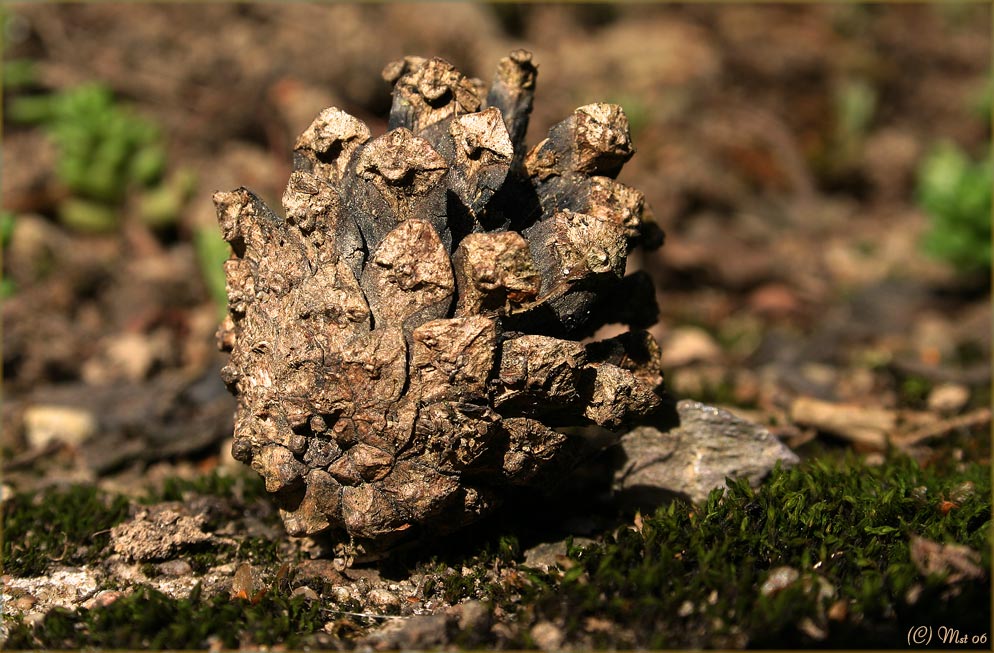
<point x="212" y="251"/>
<point x="682" y="577"/>
<point x="242" y="488"/>
<point x="690" y="577"/>
<point x="148" y="619"/>
<point x="69" y="526"/>
<point x="259" y="551"/>
<point x="955" y="191"/>
<point x="914" y="391"/>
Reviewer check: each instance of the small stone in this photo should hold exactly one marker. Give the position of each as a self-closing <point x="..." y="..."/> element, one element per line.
<point x="319" y="572"/>
<point x="838" y="611"/>
<point x="44" y="424"/>
<point x="547" y="636"/>
<point x="779" y="579"/>
<point x="708" y="445"/>
<point x="474" y="616"/>
<point x="811" y="629"/>
<point x="127" y="356"/>
<point x="175" y="568"/>
<point x="948" y="398"/>
<point x="158" y="532"/>
<point x="963" y="492"/>
<point x="686" y="345"/>
<point x="415" y="633"/>
<point x="686" y="609"/>
<point x="305" y="592"/>
<point x="341" y="594"/>
<point x="102" y="599"/>
<point x="383" y="599"/>
<point x="25" y="603"/>
<point x="543" y="556"/>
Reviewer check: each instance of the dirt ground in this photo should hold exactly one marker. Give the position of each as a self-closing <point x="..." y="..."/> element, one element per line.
<point x="777" y="146"/>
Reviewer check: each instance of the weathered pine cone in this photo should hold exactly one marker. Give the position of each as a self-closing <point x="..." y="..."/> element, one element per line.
<point x="405" y="341"/>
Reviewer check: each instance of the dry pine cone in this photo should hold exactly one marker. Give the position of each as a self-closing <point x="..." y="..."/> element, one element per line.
<point x="405" y="341"/>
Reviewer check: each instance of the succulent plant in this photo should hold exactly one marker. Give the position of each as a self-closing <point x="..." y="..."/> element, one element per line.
<point x="406" y="341"/>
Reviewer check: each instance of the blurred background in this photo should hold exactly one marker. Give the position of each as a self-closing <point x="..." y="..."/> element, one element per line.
<point x="822" y="173"/>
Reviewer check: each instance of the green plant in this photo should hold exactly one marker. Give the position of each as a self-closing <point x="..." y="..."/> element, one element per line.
<point x="844" y="527"/>
<point x="70" y="525"/>
<point x="955" y="191"/>
<point x="148" y="619"/>
<point x="212" y="252"/>
<point x="18" y="74"/>
<point x="7" y="287"/>
<point x="105" y="150"/>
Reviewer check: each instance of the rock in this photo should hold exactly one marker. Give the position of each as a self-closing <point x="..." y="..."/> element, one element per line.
<point x="175" y="568"/>
<point x="319" y="572"/>
<point x="547" y="636"/>
<point x="25" y="603"/>
<point x="472" y="616"/>
<point x="545" y="555"/>
<point x="62" y="588"/>
<point x="956" y="563"/>
<point x="102" y="599"/>
<point x="696" y="456"/>
<point x="158" y="532"/>
<point x="44" y="424"/>
<point x="383" y="599"/>
<point x="125" y="357"/>
<point x="305" y="592"/>
<point x="686" y="345"/>
<point x="779" y="578"/>
<point x="415" y="633"/>
<point x="948" y="398"/>
<point x="341" y="594"/>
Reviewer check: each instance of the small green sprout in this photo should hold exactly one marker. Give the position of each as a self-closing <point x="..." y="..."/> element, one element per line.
<point x="105" y="150"/>
<point x="7" y="287"/>
<point x="955" y="191"/>
<point x="212" y="252"/>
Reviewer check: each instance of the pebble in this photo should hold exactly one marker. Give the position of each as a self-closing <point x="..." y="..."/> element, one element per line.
<point x="686" y="345"/>
<point x="779" y="579"/>
<point x="547" y="636"/>
<point x="175" y="567"/>
<point x="474" y="616"/>
<point x="341" y="594"/>
<point x="948" y="398"/>
<point x="25" y="603"/>
<point x="383" y="599"/>
<point x="102" y="599"/>
<point x="44" y="424"/>
<point x="305" y="592"/>
<point x="838" y="611"/>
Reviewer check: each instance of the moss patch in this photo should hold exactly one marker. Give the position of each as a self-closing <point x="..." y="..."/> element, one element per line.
<point x="70" y="526"/>
<point x="683" y="577"/>
<point x="691" y="577"/>
<point x="147" y="619"/>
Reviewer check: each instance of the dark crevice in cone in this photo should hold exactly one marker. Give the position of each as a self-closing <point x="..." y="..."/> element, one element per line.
<point x="406" y="341"/>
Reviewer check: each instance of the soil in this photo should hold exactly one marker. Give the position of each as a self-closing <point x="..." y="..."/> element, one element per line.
<point x="792" y="284"/>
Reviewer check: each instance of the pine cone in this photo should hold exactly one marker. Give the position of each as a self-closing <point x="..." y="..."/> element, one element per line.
<point x="405" y="341"/>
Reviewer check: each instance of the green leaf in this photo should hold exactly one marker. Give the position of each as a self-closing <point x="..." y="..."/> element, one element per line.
<point x="880" y="530"/>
